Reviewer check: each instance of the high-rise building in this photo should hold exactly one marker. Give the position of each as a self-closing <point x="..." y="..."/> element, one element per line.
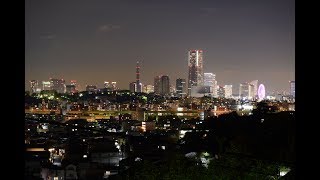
<point x="228" y="91"/>
<point x="91" y="88"/>
<point x="254" y="92"/>
<point x="157" y="84"/>
<point x="107" y="85"/>
<point x="74" y="82"/>
<point x="251" y="91"/>
<point x="138" y="84"/>
<point x="293" y="88"/>
<point x="210" y="83"/>
<point x="58" y="85"/>
<point x="33" y="86"/>
<point x="195" y="64"/>
<point x="181" y="87"/>
<point x="113" y="86"/>
<point x="148" y="88"/>
<point x="244" y="90"/>
<point x="132" y="87"/>
<point x="221" y="92"/>
<point x="110" y="86"/>
<point x="164" y="85"/>
<point x="46" y="85"/>
<point x="70" y="88"/>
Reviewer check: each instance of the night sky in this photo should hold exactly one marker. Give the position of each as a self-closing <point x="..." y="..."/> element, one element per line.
<point x="94" y="41"/>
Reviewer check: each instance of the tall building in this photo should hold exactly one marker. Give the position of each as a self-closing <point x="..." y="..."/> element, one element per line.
<point x="251" y="91"/>
<point x="181" y="87"/>
<point x="138" y="84"/>
<point x="164" y="85"/>
<point x="74" y="82"/>
<point x="132" y="87"/>
<point x="293" y="88"/>
<point x="91" y="88"/>
<point x="244" y="90"/>
<point x="70" y="88"/>
<point x="33" y="86"/>
<point x="195" y="64"/>
<point x="148" y="88"/>
<point x="106" y="85"/>
<point x="228" y="91"/>
<point x="113" y="86"/>
<point x="221" y="92"/>
<point x="46" y="85"/>
<point x="58" y="85"/>
<point x="157" y="84"/>
<point x="210" y="83"/>
<point x="254" y="92"/>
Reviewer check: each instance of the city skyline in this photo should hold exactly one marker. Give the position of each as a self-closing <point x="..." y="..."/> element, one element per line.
<point x="242" y="41"/>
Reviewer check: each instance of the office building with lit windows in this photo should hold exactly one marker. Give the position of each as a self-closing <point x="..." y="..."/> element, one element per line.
<point x="293" y="88"/>
<point x="34" y="86"/>
<point x="164" y="85"/>
<point x="195" y="65"/>
<point x="228" y="91"/>
<point x="181" y="87"/>
<point x="157" y="84"/>
<point x="58" y="85"/>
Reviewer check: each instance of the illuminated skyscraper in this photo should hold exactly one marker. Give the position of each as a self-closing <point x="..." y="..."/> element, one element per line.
<point x="244" y="90"/>
<point x="181" y="87"/>
<point x="228" y="91"/>
<point x="33" y="86"/>
<point x="293" y="88"/>
<point x="70" y="88"/>
<point x="157" y="84"/>
<point x="113" y="85"/>
<point x="46" y="85"/>
<point x="195" y="64"/>
<point x="254" y="92"/>
<point x="148" y="88"/>
<point x="106" y="85"/>
<point x="210" y="83"/>
<point x="221" y="91"/>
<point x="74" y="82"/>
<point x="132" y="87"/>
<point x="91" y="88"/>
<point x="164" y="85"/>
<point x="251" y="91"/>
<point x="110" y="86"/>
<point x="138" y="84"/>
<point x="58" y="85"/>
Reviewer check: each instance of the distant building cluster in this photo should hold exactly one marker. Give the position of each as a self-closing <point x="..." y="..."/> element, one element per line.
<point x="197" y="84"/>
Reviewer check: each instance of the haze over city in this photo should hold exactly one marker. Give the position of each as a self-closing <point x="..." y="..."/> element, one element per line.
<point x="97" y="41"/>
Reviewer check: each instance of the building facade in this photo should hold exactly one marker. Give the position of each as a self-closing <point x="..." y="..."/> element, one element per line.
<point x="34" y="86"/>
<point x="58" y="85"/>
<point x="244" y="90"/>
<point x="46" y="85"/>
<point x="195" y="65"/>
<point x="255" y="89"/>
<point x="138" y="83"/>
<point x="181" y="87"/>
<point x="148" y="88"/>
<point x="132" y="87"/>
<point x="211" y="84"/>
<point x="293" y="88"/>
<point x="228" y="91"/>
<point x="157" y="84"/>
<point x="164" y="85"/>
